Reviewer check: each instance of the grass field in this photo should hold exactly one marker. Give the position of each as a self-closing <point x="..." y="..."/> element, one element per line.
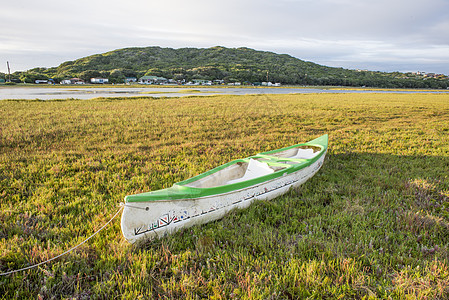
<point x="373" y="223"/>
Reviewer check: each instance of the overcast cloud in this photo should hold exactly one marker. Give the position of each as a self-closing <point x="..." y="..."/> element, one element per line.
<point x="384" y="35"/>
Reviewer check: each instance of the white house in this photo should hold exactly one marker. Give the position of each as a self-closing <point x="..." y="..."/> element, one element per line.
<point x="99" y="80"/>
<point x="40" y="81"/>
<point x="201" y="82"/>
<point x="72" y="81"/>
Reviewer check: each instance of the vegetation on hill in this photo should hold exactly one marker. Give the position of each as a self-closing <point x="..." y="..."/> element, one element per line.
<point x="220" y="63"/>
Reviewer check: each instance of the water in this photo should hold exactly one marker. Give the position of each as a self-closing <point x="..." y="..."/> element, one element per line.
<point x="53" y="93"/>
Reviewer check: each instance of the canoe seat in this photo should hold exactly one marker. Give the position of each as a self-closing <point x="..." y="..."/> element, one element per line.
<point x="304" y="154"/>
<point x="255" y="169"/>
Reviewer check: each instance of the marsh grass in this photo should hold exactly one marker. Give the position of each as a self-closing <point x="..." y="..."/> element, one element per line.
<point x="373" y="223"/>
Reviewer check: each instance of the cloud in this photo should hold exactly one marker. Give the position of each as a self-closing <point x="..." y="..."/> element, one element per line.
<point x="382" y="34"/>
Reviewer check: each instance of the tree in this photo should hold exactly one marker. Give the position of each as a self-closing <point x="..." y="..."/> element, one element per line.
<point x="31" y="77"/>
<point x="117" y="76"/>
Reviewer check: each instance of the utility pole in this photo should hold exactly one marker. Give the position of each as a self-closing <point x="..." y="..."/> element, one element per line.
<point x="9" y="72"/>
<point x="267" y="75"/>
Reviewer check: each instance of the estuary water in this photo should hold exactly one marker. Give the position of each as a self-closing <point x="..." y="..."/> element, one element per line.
<point x="54" y="93"/>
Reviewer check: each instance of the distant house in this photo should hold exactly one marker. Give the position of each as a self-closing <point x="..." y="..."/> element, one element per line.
<point x="99" y="80"/>
<point x="130" y="79"/>
<point x="41" y="81"/>
<point x="152" y="80"/>
<point x="73" y="81"/>
<point x="201" y="82"/>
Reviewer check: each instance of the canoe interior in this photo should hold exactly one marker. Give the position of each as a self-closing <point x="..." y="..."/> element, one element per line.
<point x="297" y="152"/>
<point x="238" y="171"/>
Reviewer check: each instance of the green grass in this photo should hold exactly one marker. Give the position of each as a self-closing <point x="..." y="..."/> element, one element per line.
<point x="373" y="223"/>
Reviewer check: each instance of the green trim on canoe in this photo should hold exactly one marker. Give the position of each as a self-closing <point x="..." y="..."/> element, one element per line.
<point x="179" y="191"/>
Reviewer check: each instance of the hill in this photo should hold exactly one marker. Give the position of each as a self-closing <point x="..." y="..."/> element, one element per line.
<point x="220" y="63"/>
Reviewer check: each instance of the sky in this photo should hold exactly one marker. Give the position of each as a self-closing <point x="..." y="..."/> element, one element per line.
<point x="377" y="35"/>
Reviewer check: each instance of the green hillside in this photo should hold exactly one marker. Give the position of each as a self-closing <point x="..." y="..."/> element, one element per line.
<point x="220" y="63"/>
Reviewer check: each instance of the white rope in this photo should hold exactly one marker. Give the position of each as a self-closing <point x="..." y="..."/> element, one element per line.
<point x="68" y="251"/>
<point x="136" y="207"/>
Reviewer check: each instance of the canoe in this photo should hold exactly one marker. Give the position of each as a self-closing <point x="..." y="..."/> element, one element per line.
<point x="210" y="195"/>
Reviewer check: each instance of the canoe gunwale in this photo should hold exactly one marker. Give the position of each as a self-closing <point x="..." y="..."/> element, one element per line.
<point x="182" y="189"/>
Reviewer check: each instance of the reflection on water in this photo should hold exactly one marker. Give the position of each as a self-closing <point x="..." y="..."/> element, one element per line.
<point x="52" y="93"/>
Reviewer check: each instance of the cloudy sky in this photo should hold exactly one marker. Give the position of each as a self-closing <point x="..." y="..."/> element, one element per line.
<point x="379" y="35"/>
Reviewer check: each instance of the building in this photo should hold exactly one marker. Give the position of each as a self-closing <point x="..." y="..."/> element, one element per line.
<point x="72" y="81"/>
<point x="152" y="80"/>
<point x="172" y="81"/>
<point x="130" y="79"/>
<point x="99" y="80"/>
<point x="41" y="81"/>
<point x="201" y="82"/>
<point x="271" y="84"/>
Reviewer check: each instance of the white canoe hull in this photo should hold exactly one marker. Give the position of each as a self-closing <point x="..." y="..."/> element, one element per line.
<point x="148" y="220"/>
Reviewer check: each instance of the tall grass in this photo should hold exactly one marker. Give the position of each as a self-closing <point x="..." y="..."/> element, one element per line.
<point x="373" y="223"/>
